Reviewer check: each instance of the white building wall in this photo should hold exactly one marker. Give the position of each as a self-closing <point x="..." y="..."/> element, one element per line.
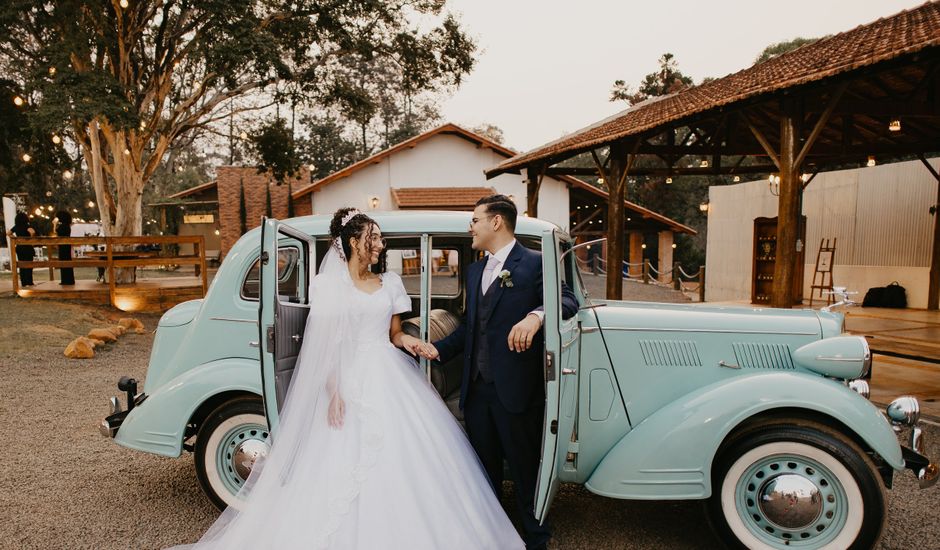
<point x="444" y="160"/>
<point x="878" y="215"/>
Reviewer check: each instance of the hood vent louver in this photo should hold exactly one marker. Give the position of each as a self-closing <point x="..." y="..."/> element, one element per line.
<point x="670" y="353"/>
<point x="751" y="355"/>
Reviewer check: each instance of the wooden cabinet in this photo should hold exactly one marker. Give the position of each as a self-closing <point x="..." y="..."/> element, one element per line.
<point x="765" y="258"/>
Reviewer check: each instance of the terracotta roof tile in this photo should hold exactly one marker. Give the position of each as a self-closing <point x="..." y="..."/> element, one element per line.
<point x="904" y="33"/>
<point x="450" y="198"/>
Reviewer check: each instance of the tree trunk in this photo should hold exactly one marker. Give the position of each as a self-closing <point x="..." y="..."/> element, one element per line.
<point x="788" y="214"/>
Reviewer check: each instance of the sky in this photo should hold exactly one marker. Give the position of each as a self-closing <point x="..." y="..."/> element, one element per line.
<point x="546" y="67"/>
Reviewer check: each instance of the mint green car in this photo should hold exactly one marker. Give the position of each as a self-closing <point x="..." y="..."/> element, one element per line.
<point x="761" y="413"/>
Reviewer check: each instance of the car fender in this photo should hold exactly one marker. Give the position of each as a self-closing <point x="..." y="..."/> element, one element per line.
<point x="669" y="455"/>
<point x="158" y="424"/>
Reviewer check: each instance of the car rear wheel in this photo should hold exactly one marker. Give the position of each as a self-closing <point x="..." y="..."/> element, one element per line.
<point x="229" y="442"/>
<point x="799" y="485"/>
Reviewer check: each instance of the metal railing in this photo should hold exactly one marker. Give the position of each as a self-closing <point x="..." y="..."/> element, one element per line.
<point x="644" y="272"/>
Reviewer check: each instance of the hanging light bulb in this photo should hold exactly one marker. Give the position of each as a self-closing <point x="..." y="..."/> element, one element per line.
<point x="600" y="181"/>
<point x="56" y="139"/>
<point x="91" y="204"/>
<point x="668" y="180"/>
<point x="124" y="3"/>
<point x="26" y="157"/>
<point x="18" y="101"/>
<point x="243" y="135"/>
<point x="51" y="71"/>
<point x="67" y="174"/>
<point x="895" y="125"/>
<point x="127" y="151"/>
<point x="673" y="245"/>
<point x="871" y="161"/>
<point x="38" y="211"/>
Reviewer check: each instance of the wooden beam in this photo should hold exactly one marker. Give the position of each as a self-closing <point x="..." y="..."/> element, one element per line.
<point x="820" y="124"/>
<point x="617" y="171"/>
<point x="788" y="214"/>
<point x="763" y="141"/>
<point x="584" y="222"/>
<point x="534" y="175"/>
<point x="933" y="284"/>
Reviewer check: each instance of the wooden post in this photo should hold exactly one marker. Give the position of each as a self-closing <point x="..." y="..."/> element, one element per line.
<point x="646" y="272"/>
<point x="933" y="283"/>
<point x="16" y="276"/>
<point x="676" y="277"/>
<point x="788" y="212"/>
<point x="636" y="249"/>
<point x="534" y="176"/>
<point x="616" y="182"/>
<point x="109" y="248"/>
<point x="701" y="283"/>
<point x="201" y="247"/>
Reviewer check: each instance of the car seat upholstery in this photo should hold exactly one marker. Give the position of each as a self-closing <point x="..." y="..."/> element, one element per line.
<point x="444" y="377"/>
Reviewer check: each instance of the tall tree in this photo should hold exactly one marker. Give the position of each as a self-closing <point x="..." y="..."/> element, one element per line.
<point x="779" y="48"/>
<point x="128" y="78"/>
<point x="667" y="80"/>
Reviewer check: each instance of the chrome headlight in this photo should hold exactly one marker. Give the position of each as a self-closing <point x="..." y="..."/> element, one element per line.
<point x="860" y="387"/>
<point x="904" y="411"/>
<point x="844" y="357"/>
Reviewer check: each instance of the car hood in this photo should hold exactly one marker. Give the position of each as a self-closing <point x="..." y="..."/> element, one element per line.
<point x="704" y="318"/>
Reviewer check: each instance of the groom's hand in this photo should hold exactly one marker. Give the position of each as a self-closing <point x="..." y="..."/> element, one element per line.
<point x="521" y="335"/>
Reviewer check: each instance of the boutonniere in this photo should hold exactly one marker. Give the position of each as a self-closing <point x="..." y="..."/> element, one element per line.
<point x="505" y="278"/>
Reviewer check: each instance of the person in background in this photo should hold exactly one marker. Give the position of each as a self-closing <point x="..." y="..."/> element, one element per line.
<point x="24" y="252"/>
<point x="64" y="229"/>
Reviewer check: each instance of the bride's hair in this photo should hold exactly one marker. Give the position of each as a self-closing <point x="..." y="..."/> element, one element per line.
<point x="359" y="226"/>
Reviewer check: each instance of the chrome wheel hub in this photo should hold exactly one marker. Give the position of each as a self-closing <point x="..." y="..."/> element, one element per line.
<point x="790" y="501"/>
<point x="246" y="454"/>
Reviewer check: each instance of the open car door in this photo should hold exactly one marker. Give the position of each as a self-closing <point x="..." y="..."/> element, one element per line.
<point x="562" y="356"/>
<point x="288" y="260"/>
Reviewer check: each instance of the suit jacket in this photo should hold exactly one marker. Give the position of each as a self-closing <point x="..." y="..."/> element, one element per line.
<point x="517" y="376"/>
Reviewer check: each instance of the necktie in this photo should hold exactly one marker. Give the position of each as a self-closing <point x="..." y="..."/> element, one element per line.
<point x="491" y="263"/>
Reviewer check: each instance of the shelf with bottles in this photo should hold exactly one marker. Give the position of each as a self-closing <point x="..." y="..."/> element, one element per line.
<point x="764" y="278"/>
<point x="762" y="299"/>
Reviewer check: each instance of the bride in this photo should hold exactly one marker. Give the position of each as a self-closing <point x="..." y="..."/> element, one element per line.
<point x="366" y="454"/>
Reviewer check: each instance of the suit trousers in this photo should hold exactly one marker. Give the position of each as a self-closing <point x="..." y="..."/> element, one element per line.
<point x="498" y="434"/>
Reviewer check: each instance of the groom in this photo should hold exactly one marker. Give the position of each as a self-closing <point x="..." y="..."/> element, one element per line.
<point x="502" y="393"/>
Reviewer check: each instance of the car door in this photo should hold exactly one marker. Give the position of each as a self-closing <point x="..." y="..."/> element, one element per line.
<point x="288" y="260"/>
<point x="562" y="338"/>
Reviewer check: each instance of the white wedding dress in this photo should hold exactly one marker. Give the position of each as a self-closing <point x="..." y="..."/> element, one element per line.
<point x="399" y="474"/>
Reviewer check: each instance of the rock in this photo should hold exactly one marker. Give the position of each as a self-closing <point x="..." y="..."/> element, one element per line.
<point x="91" y="341"/>
<point x="103" y="334"/>
<point x="79" y="348"/>
<point x="118" y="330"/>
<point x="130" y="323"/>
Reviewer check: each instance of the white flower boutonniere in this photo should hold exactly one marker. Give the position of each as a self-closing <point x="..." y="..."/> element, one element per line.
<point x="505" y="278"/>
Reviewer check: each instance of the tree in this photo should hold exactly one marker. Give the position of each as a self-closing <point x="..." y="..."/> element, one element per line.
<point x="326" y="149"/>
<point x="275" y="148"/>
<point x="491" y="132"/>
<point x="126" y="80"/>
<point x="667" y="80"/>
<point x="779" y="48"/>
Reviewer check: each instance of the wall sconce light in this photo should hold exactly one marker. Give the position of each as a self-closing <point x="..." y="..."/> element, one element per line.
<point x="668" y="180"/>
<point x="91" y="204"/>
<point x="871" y="161"/>
<point x="374" y="202"/>
<point x="216" y="232"/>
<point x="736" y="179"/>
<point x="895" y="125"/>
<point x="643" y="246"/>
<point x="704" y="164"/>
<point x="774" y="184"/>
<point x="704" y="207"/>
<point x="673" y="245"/>
<point x="600" y="181"/>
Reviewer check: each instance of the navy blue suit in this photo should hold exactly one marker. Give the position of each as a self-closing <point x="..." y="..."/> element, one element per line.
<point x="504" y="416"/>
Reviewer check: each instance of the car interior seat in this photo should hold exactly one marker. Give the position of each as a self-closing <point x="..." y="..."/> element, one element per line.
<point x="445" y="377"/>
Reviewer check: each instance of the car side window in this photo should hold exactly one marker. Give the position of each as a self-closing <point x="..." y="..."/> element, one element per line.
<point x="288" y="277"/>
<point x="445" y="269"/>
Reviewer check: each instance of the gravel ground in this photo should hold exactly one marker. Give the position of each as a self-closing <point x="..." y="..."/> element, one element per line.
<point x="65" y="486"/>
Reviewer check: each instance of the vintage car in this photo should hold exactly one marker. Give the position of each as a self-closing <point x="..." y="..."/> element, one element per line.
<point x="762" y="413"/>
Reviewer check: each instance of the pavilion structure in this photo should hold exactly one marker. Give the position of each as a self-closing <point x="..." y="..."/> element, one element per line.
<point x="868" y="95"/>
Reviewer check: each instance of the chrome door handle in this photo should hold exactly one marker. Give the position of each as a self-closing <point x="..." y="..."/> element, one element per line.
<point x="254" y="345"/>
<point x="566" y="372"/>
<point x="728" y="365"/>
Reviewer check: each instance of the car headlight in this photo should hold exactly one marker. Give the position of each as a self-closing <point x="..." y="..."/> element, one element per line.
<point x="843" y="357"/>
<point x="904" y="411"/>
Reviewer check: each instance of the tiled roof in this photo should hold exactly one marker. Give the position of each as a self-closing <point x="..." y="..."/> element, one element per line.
<point x="440" y="198"/>
<point x="888" y="38"/>
<point x="448" y="128"/>
<point x="193" y="190"/>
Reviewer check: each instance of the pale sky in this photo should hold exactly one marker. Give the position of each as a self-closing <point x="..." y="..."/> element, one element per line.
<point x="546" y="67"/>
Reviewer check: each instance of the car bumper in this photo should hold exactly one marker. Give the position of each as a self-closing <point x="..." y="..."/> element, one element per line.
<point x="904" y="415"/>
<point x="109" y="425"/>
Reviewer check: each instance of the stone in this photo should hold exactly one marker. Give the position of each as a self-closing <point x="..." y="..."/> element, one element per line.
<point x="118" y="330"/>
<point x="79" y="348"/>
<point x="91" y="341"/>
<point x="104" y="334"/>
<point x="130" y="323"/>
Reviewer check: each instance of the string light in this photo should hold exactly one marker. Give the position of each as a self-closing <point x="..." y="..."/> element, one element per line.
<point x="91" y="204"/>
<point x="704" y="164"/>
<point x="243" y="135"/>
<point x="67" y="174"/>
<point x="26" y="157"/>
<point x="600" y="181"/>
<point x="18" y="101"/>
<point x="124" y="3"/>
<point x="673" y="245"/>
<point x="668" y="180"/>
<point x="51" y="71"/>
<point x="737" y="179"/>
<point x="127" y="151"/>
<point x="56" y="139"/>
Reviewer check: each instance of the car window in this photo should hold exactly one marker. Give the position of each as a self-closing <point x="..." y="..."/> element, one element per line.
<point x="445" y="268"/>
<point x="288" y="276"/>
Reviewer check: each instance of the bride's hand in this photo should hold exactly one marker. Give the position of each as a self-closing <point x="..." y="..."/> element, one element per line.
<point x="337" y="412"/>
<point x="428" y="351"/>
<point x="411" y="344"/>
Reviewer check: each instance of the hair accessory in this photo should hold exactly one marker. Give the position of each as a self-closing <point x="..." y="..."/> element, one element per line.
<point x="350" y="215"/>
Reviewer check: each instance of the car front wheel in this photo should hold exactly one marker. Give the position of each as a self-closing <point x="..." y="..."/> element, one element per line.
<point x="799" y="485"/>
<point x="231" y="439"/>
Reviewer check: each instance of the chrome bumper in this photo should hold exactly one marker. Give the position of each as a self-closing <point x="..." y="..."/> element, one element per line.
<point x="109" y="425"/>
<point x="904" y="413"/>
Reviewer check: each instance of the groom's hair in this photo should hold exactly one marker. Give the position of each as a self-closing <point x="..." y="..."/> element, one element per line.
<point x="502" y="205"/>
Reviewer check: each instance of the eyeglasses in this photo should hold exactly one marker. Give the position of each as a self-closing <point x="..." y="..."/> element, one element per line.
<point x="474" y="221"/>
